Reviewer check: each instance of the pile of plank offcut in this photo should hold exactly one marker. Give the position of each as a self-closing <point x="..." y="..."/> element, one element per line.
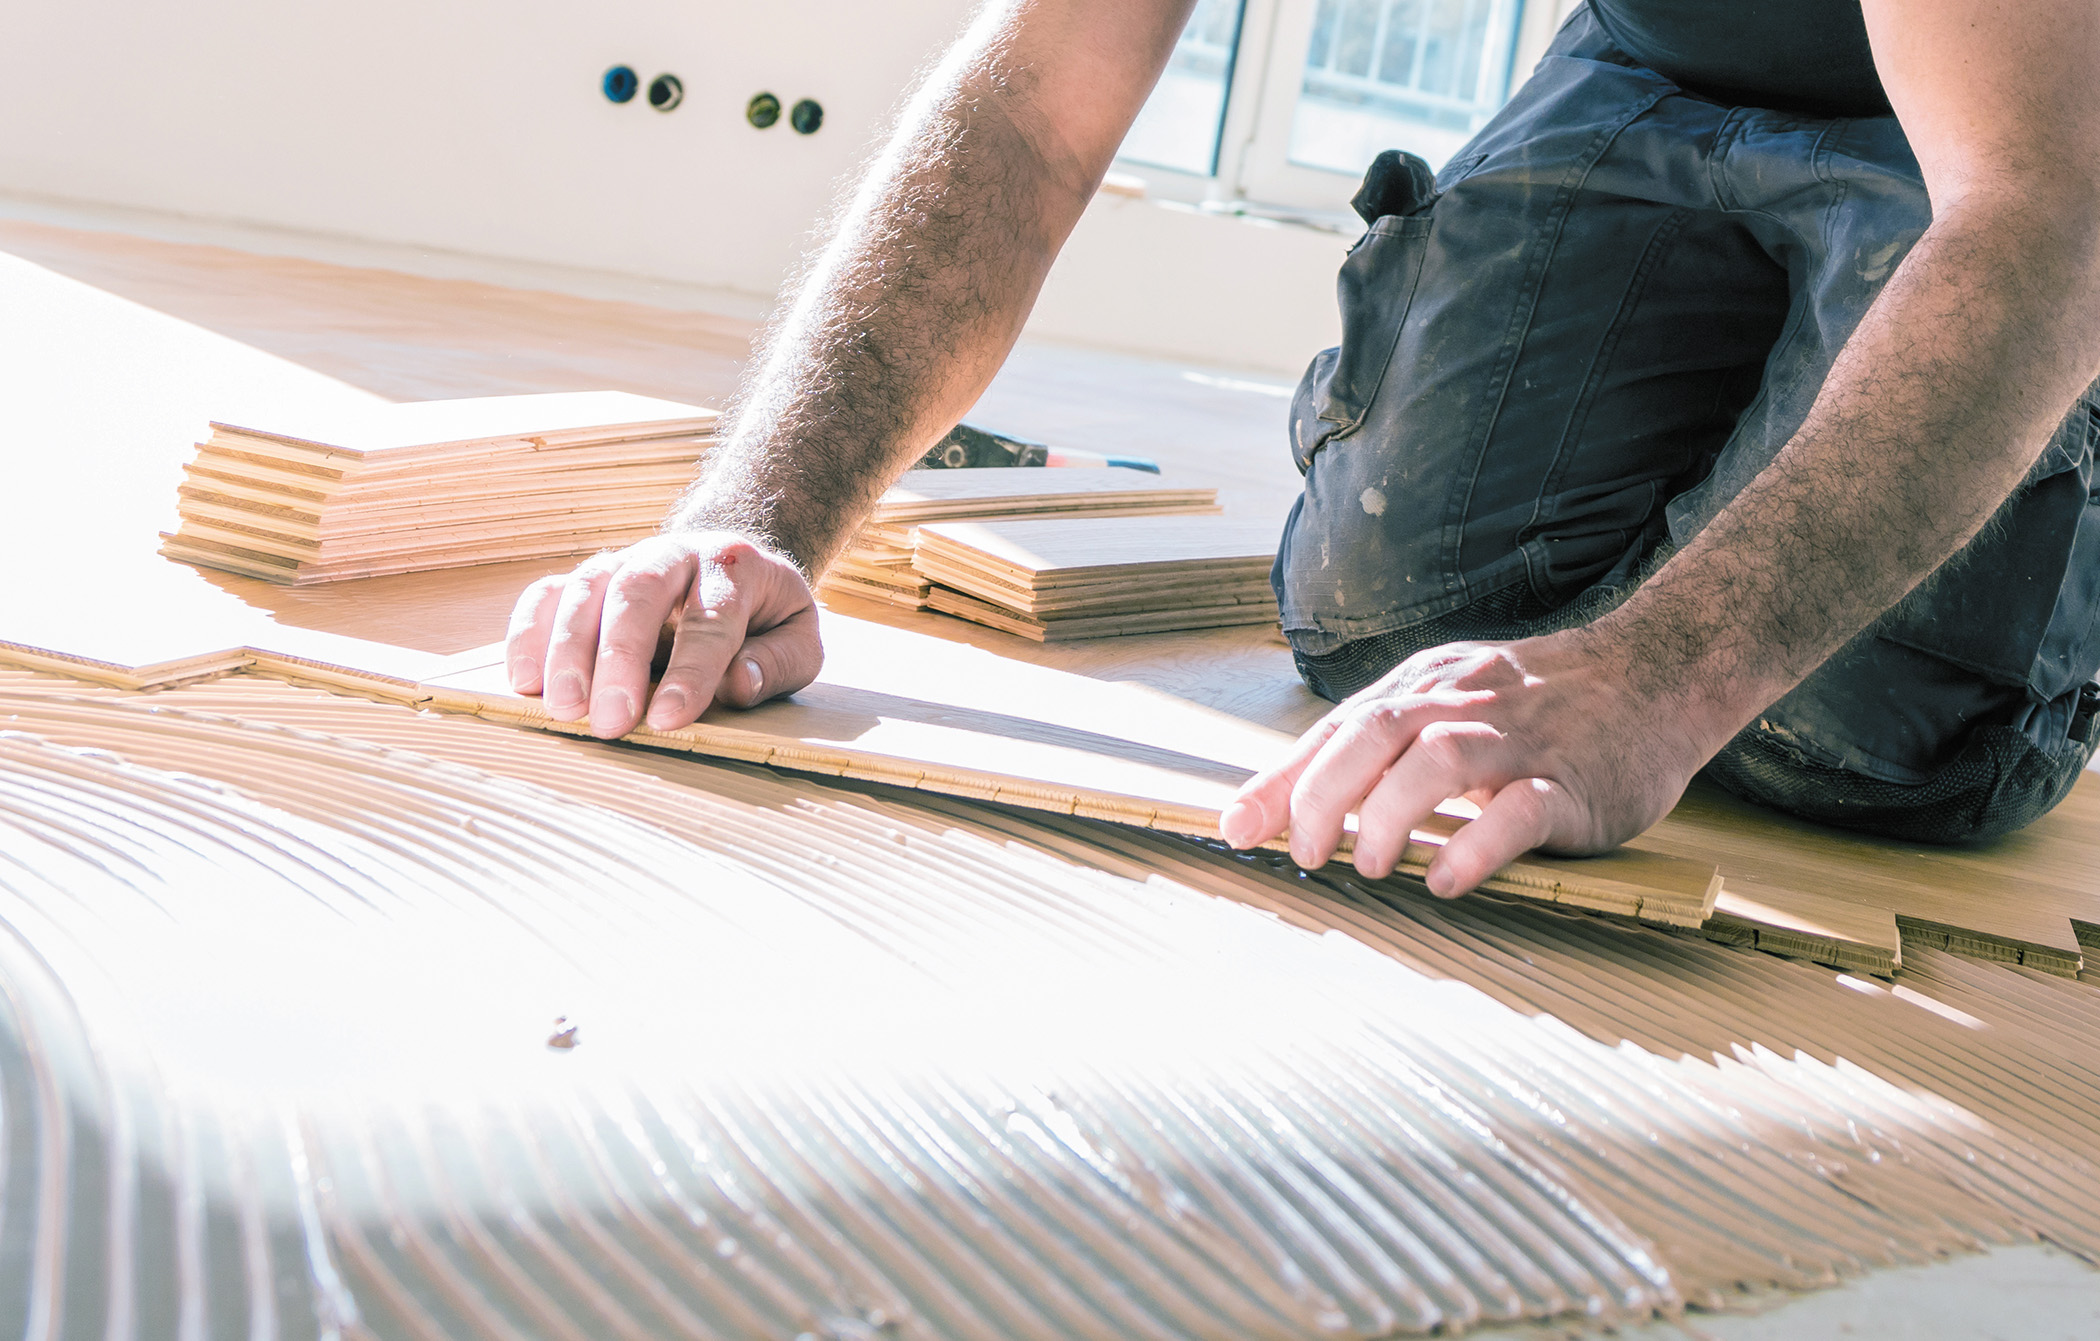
<point x="435" y="484"/>
<point x="1058" y="579"/>
<point x="877" y="565"/>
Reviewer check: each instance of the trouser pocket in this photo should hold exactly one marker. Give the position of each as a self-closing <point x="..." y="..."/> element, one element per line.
<point x="1377" y="288"/>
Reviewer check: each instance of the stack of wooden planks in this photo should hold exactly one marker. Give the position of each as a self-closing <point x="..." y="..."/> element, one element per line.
<point x="877" y="566"/>
<point x="369" y="491"/>
<point x="1059" y="579"/>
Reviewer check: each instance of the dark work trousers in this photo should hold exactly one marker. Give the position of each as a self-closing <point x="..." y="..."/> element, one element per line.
<point x="1613" y="310"/>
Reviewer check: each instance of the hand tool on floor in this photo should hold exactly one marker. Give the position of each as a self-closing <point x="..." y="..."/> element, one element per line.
<point x="966" y="445"/>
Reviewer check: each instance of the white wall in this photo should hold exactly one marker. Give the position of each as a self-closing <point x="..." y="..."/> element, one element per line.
<point x="478" y="127"/>
<point x="1156" y="278"/>
<point x="470" y="125"/>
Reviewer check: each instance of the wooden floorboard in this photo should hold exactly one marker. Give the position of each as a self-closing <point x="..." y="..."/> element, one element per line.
<point x="998" y="731"/>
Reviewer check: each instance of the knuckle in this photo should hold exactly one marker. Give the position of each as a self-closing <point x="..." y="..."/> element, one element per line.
<point x="1441" y="749"/>
<point x="618" y="658"/>
<point x="1526" y="807"/>
<point x="1380" y="719"/>
<point x="727" y="595"/>
<point x="1309" y="800"/>
<point x="585" y="586"/>
<point x="636" y="586"/>
<point x="736" y="556"/>
<point x="709" y="618"/>
<point x="597" y="568"/>
<point x="1452" y="666"/>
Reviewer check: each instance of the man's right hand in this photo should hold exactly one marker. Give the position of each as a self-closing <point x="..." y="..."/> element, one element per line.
<point x="922" y="288"/>
<point x="741" y="618"/>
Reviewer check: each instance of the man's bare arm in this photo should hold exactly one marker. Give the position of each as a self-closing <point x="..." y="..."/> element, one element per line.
<point x="901" y="322"/>
<point x="1950" y="388"/>
<point x="917" y="300"/>
<point x="1932" y="415"/>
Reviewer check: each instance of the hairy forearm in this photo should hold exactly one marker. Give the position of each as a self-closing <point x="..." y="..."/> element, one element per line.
<point x="1933" y="414"/>
<point x="909" y="309"/>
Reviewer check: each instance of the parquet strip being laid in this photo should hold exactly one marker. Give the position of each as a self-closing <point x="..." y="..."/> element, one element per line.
<point x="989" y="729"/>
<point x="1047" y="741"/>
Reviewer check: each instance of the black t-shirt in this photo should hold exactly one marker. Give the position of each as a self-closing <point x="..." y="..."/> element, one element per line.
<point x="1792" y="55"/>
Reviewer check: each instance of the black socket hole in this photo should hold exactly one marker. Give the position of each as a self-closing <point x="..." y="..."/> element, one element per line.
<point x="619" y="84"/>
<point x="666" y="92"/>
<point x="763" y="110"/>
<point x="806" y="116"/>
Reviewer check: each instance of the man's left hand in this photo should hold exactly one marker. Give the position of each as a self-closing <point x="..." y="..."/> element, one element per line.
<point x="1546" y="735"/>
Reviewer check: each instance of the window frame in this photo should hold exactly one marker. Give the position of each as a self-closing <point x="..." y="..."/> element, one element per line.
<point x="1255" y="173"/>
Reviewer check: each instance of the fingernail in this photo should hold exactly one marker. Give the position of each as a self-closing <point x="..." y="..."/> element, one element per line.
<point x="566" y="693"/>
<point x="1238" y="818"/>
<point x="523" y="672"/>
<point x="667" y="709"/>
<point x="1440" y="882"/>
<point x="612" y="707"/>
<point x="749" y="679"/>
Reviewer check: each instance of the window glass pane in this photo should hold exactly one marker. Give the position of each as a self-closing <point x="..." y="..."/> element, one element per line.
<point x="1181" y="122"/>
<point x="1400" y="74"/>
